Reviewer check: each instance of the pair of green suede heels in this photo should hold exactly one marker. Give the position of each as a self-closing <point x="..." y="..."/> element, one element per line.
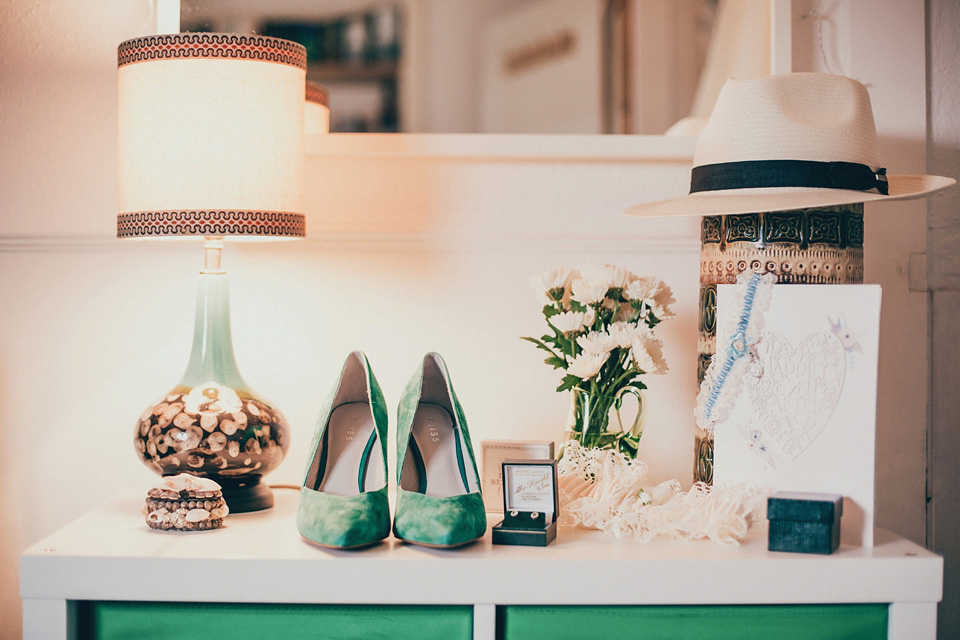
<point x="343" y="501"/>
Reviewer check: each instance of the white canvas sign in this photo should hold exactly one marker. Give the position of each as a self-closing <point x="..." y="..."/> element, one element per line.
<point x="804" y="413"/>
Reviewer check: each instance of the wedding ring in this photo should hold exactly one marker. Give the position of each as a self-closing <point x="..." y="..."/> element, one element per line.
<point x="535" y="515"/>
<point x="514" y="513"/>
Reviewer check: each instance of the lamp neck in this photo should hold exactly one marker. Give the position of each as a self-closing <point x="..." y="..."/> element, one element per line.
<point x="211" y="358"/>
<point x="212" y="247"/>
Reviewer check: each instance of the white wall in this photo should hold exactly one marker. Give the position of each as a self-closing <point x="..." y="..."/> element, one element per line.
<point x="57" y="178"/>
<point x="407" y="252"/>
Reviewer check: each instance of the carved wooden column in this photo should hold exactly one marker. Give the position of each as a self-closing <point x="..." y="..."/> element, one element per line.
<point x="803" y="246"/>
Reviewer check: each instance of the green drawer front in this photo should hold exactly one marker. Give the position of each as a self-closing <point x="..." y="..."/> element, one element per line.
<point x="753" y="622"/>
<point x="210" y="621"/>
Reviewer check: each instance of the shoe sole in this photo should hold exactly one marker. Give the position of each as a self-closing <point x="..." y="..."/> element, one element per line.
<point x="439" y="546"/>
<point x="332" y="546"/>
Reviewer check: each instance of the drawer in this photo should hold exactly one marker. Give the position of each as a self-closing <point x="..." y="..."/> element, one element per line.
<point x="236" y="621"/>
<point x="749" y="622"/>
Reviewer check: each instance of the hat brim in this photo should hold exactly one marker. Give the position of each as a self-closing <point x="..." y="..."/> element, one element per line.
<point x="732" y="201"/>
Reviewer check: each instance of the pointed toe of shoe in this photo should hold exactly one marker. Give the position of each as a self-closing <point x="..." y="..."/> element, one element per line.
<point x="343" y="521"/>
<point x="439" y="522"/>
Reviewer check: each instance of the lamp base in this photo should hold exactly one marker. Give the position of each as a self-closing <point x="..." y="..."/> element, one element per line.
<point x="246" y="497"/>
<point x="211" y="425"/>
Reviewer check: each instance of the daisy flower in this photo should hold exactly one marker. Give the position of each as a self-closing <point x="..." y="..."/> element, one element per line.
<point x="587" y="365"/>
<point x="642" y="288"/>
<point x="622" y="334"/>
<point x="625" y="333"/>
<point x="597" y="342"/>
<point x="652" y="292"/>
<point x="552" y="283"/>
<point x="589" y="290"/>
<point x="615" y="278"/>
<point x="647" y="352"/>
<point x="572" y="321"/>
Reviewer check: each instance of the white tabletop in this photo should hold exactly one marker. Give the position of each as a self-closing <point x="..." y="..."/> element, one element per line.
<point x="111" y="554"/>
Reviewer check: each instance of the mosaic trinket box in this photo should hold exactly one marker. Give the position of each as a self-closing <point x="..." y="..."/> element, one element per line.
<point x="185" y="503"/>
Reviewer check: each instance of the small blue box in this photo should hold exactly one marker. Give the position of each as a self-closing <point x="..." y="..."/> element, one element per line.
<point x="804" y="522"/>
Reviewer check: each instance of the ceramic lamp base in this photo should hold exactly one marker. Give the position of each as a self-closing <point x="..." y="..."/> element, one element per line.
<point x="213" y="432"/>
<point x="211" y="425"/>
<point x="247" y="496"/>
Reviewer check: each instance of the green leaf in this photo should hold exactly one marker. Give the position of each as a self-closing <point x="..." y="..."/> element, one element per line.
<point x="569" y="382"/>
<point x="558" y="340"/>
<point x="549" y="311"/>
<point x="540" y="345"/>
<point x="576" y="306"/>
<point x="557" y="363"/>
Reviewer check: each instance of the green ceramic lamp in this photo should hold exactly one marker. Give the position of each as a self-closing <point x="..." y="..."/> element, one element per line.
<point x="211" y="146"/>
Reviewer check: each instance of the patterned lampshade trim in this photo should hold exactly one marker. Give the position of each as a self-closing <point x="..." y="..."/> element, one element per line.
<point x="214" y="46"/>
<point x="275" y="224"/>
<point x="316" y="92"/>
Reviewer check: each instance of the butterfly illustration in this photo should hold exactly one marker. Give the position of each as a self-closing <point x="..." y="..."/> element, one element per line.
<point x="756" y="444"/>
<point x="849" y="342"/>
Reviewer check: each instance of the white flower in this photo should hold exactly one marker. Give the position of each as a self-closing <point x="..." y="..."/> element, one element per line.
<point x="597" y="342"/>
<point x="587" y="365"/>
<point x="552" y="283"/>
<point x="642" y="288"/>
<point x="647" y="352"/>
<point x="572" y="321"/>
<point x="653" y="292"/>
<point x="622" y="334"/>
<point x="614" y="277"/>
<point x="625" y="333"/>
<point x="589" y="291"/>
<point x="661" y="312"/>
<point x="617" y="277"/>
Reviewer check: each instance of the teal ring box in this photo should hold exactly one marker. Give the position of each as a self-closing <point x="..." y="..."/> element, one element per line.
<point x="530" y="503"/>
<point x="804" y="522"/>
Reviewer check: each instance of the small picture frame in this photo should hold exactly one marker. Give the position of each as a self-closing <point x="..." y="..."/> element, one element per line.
<point x="530" y="503"/>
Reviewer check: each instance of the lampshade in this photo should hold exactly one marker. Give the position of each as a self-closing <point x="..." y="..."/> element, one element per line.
<point x="316" y="109"/>
<point x="211" y="144"/>
<point x="211" y="136"/>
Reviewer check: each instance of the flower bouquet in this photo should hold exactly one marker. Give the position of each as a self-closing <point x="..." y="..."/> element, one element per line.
<point x="601" y="321"/>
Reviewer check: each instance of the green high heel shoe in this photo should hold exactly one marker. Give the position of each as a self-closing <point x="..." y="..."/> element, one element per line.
<point x="438" y="487"/>
<point x="343" y="500"/>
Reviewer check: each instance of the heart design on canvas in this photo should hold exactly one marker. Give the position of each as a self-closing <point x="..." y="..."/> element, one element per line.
<point x="794" y="390"/>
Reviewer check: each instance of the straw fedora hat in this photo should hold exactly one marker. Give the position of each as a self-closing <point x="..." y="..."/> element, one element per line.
<point x="791" y="141"/>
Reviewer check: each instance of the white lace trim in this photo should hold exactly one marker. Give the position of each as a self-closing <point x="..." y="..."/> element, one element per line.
<point x="725" y="388"/>
<point x="603" y="489"/>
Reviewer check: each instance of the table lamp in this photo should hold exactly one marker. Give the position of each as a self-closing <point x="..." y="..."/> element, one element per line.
<point x="316" y="110"/>
<point x="211" y="146"/>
